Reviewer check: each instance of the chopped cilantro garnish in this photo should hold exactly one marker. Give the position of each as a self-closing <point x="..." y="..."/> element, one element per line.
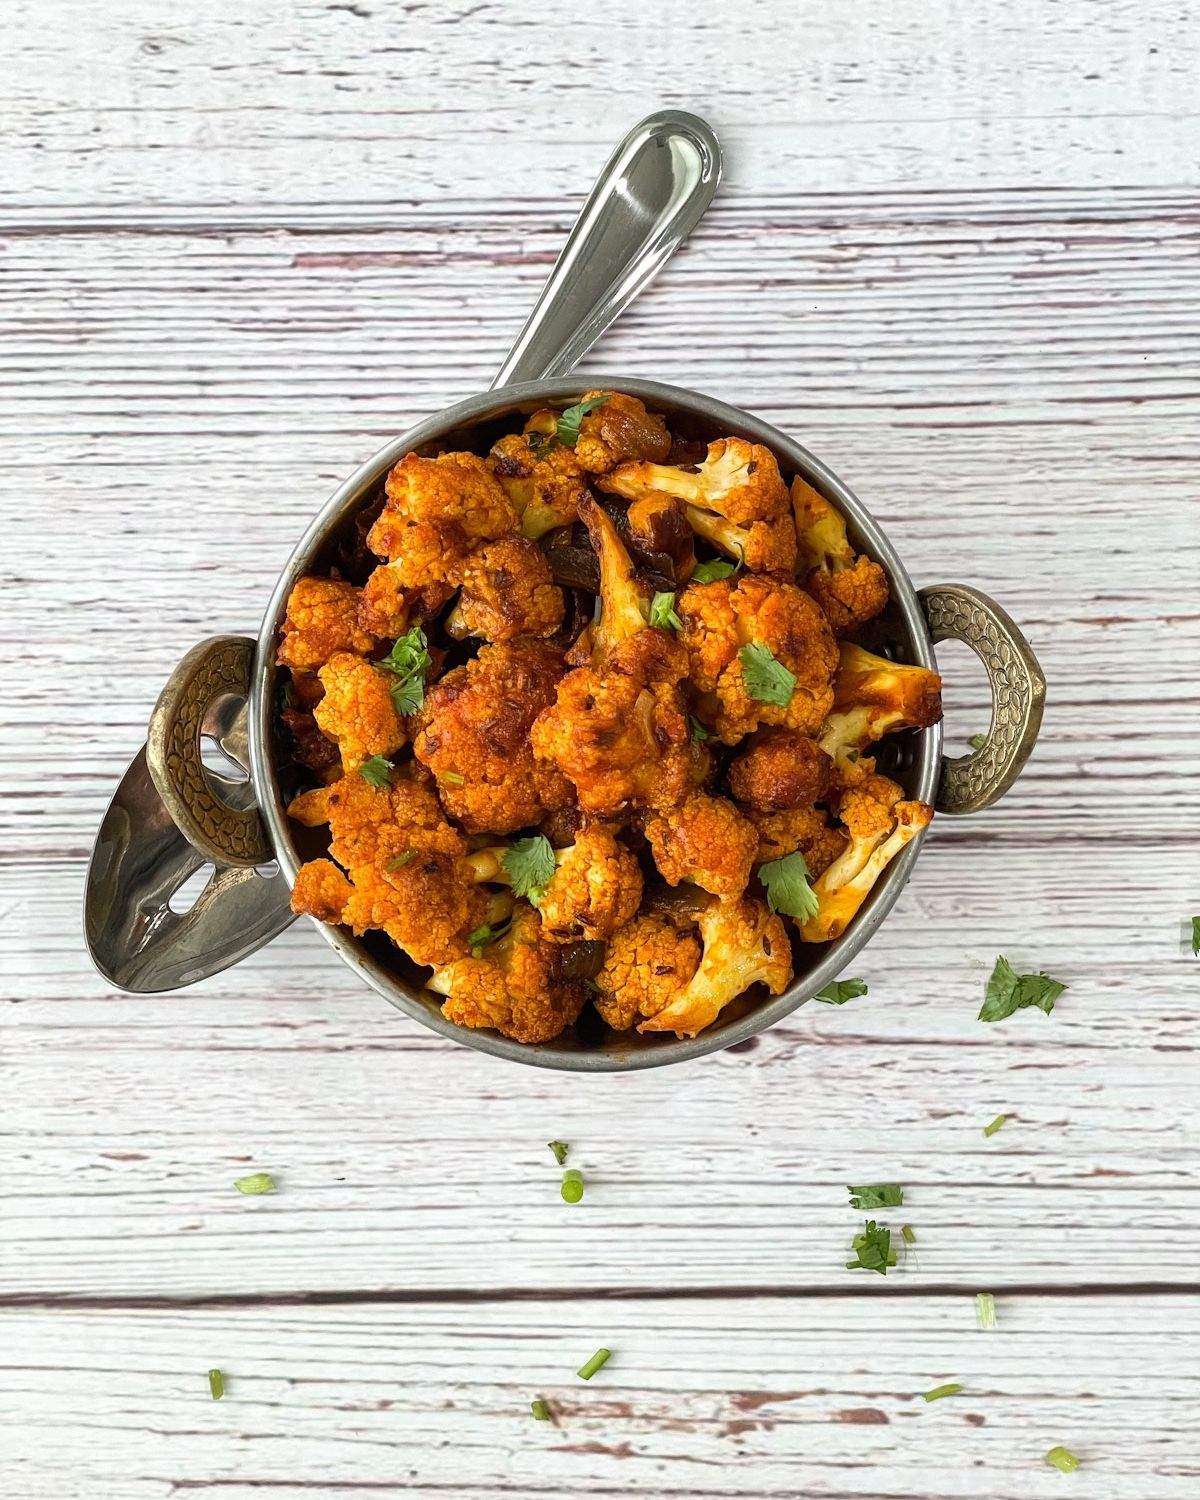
<point x="408" y="661"/>
<point x="375" y="771"/>
<point x="909" y="1233"/>
<point x="597" y="1362"/>
<point x="977" y="741"/>
<point x="787" y="887"/>
<point x="873" y="1247"/>
<point x="529" y="865"/>
<point x="567" y="430"/>
<point x="541" y="1412"/>
<point x="256" y="1184"/>
<point x="398" y="861"/>
<point x="560" y="1149"/>
<point x="1195" y="935"/>
<point x="572" y="1185"/>
<point x="993" y="1125"/>
<point x="841" y="990"/>
<point x="1008" y="991"/>
<point x="951" y="1388"/>
<point x="1062" y="1459"/>
<point x="985" y="1310"/>
<point x="484" y="934"/>
<point x="699" y="733"/>
<point x="876" y="1195"/>
<point x="766" y="679"/>
<point x="709" y="572"/>
<point x="452" y="778"/>
<point x="216" y="1384"/>
<point x="662" y="613"/>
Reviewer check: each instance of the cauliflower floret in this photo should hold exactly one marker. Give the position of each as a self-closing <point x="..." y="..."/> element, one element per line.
<point x="386" y="608"/>
<point x="760" y="546"/>
<point x="850" y="589"/>
<point x="321" y="890"/>
<point x="618" y="428"/>
<point x="507" y="590"/>
<point x="545" y="487"/>
<point x="321" y="620"/>
<point x="595" y="889"/>
<point x="721" y="618"/>
<point x="647" y="963"/>
<point x="357" y="710"/>
<point x="738" y="481"/>
<point x="371" y="825"/>
<point x="473" y="732"/>
<point x="780" y="768"/>
<point x="803" y="828"/>
<point x="704" y="841"/>
<point x="437" y="511"/>
<point x="879" y="824"/>
<point x="514" y="987"/>
<point x="426" y="905"/>
<point x="873" y="697"/>
<point x="745" y="943"/>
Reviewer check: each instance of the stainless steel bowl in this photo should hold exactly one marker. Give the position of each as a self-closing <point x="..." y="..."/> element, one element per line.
<point x="172" y="814"/>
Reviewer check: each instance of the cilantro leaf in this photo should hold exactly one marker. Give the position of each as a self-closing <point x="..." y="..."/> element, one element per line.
<point x="569" y="421"/>
<point x="700" y="734"/>
<point x="977" y="741"/>
<point x="529" y="865"/>
<point x="787" y="887"/>
<point x="766" y="679"/>
<point x="841" y="990"/>
<point x="877" y="1195"/>
<point x="560" y="1149"/>
<point x="662" y="613"/>
<point x="709" y="572"/>
<point x="873" y="1247"/>
<point x="1195" y="935"/>
<point x="993" y="1125"/>
<point x="1062" y="1459"/>
<point x="408" y="662"/>
<point x="951" y="1388"/>
<point x="1008" y="991"/>
<point x="479" y="939"/>
<point x="256" y="1184"/>
<point x="398" y="861"/>
<point x="375" y="771"/>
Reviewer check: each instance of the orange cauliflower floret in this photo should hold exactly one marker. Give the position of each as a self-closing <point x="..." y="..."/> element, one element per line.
<point x="514" y="987"/>
<point x="507" y="590"/>
<point x="873" y="697"/>
<point x="321" y="620"/>
<point x="545" y="486"/>
<point x="721" y="619"/>
<point x="473" y="732"/>
<point x="745" y="943"/>
<point x="618" y="427"/>
<point x="321" y="890"/>
<point x="879" y="823"/>
<point x="760" y="546"/>
<point x="357" y="710"/>
<point x="647" y="963"/>
<point x="849" y="588"/>
<point x="705" y="841"/>
<point x="803" y="828"/>
<point x="437" y="511"/>
<point x="780" y="768"/>
<point x="370" y="825"/>
<point x="738" y="481"/>
<point x="595" y="889"/>
<point x="386" y="608"/>
<point x="425" y="904"/>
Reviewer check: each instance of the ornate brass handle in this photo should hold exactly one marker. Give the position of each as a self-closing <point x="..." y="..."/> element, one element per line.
<point x="972" y="782"/>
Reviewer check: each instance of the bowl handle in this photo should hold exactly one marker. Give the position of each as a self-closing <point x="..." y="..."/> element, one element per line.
<point x="170" y="817"/>
<point x="969" y="783"/>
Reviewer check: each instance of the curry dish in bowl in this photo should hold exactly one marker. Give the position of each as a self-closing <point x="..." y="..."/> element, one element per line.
<point x="586" y="725"/>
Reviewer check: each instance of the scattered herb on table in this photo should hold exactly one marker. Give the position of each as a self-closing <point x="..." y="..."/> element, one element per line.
<point x="993" y="1125"/>
<point x="572" y="1185"/>
<point x="709" y="572"/>
<point x="873" y="1248"/>
<point x="375" y="772"/>
<point x="766" y="679"/>
<point x="597" y="1362"/>
<point x="256" y="1184"/>
<point x="216" y="1384"/>
<point x="977" y="741"/>
<point x="909" y="1233"/>
<point x="1008" y="991"/>
<point x="840" y="990"/>
<point x="560" y="1149"/>
<point x="876" y="1195"/>
<point x="529" y="865"/>
<point x="1062" y="1459"/>
<point x="570" y="420"/>
<point x="541" y="1412"/>
<point x="1195" y="935"/>
<point x="985" y="1310"/>
<point x="662" y="613"/>
<point x="787" y="887"/>
<point x="951" y="1388"/>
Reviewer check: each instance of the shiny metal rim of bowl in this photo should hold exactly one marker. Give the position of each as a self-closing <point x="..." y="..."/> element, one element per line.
<point x="362" y="487"/>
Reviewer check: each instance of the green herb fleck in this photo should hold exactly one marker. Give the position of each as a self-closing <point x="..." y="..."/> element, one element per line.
<point x="985" y="1310"/>
<point x="375" y="771"/>
<point x="541" y="1412"/>
<point x="876" y="1195"/>
<point x="408" y="661"/>
<point x="977" y="741"/>
<point x="560" y="1149"/>
<point x="699" y="733"/>
<point x="766" y="679"/>
<point x="1195" y="935"/>
<point x="993" y="1125"/>
<point x="873" y="1247"/>
<point x="1062" y="1459"/>
<point x="256" y="1184"/>
<point x="909" y="1233"/>
<point x="216" y="1384"/>
<point x="572" y="1185"/>
<point x="951" y="1388"/>
<point x="398" y="861"/>
<point x="597" y="1362"/>
<point x="709" y="572"/>
<point x="787" y="887"/>
<point x="529" y="865"/>
<point x="453" y="778"/>
<point x="567" y="429"/>
<point x="662" y="613"/>
<point x="484" y="934"/>
<point x="841" y="990"/>
<point x="1008" y="991"/>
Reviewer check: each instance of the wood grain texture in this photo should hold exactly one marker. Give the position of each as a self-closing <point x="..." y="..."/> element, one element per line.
<point x="956" y="253"/>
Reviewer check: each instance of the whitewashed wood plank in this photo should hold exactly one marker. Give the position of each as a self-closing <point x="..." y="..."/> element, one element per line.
<point x="814" y="1400"/>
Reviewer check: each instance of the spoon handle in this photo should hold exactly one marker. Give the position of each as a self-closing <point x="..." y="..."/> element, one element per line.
<point x="646" y="201"/>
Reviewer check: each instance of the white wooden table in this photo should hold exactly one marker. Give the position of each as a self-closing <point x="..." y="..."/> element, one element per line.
<point x="242" y="244"/>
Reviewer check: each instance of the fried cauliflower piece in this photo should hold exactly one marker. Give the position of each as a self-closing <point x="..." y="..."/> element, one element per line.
<point x="879" y="823"/>
<point x="721" y="618"/>
<point x="803" y="828"/>
<point x="514" y="987"/>
<point x="545" y="487"/>
<point x="738" y="481"/>
<point x="873" y="697"/>
<point x="473" y="732"/>
<point x="851" y="589"/>
<point x="386" y="608"/>
<point x="507" y="591"/>
<point x="618" y="428"/>
<point x="320" y="622"/>
<point x="595" y="889"/>
<point x="437" y="511"/>
<point x="647" y="963"/>
<point x="745" y="943"/>
<point x="426" y="905"/>
<point x="760" y="546"/>
<point x="372" y="825"/>
<point x="705" y="841"/>
<point x="778" y="769"/>
<point x="321" y="890"/>
<point x="357" y="710"/>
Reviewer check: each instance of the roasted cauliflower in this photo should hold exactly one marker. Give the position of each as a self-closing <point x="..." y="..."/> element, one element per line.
<point x="778" y="769"/>
<point x="850" y="589"/>
<point x="705" y="841"/>
<point x="873" y="697"/>
<point x="596" y="888"/>
<point x="507" y="591"/>
<point x="613" y="427"/>
<point x="545" y="487"/>
<point x="738" y="481"/>
<point x="802" y="828"/>
<point x="321" y="621"/>
<point x="357" y="711"/>
<point x="647" y="963"/>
